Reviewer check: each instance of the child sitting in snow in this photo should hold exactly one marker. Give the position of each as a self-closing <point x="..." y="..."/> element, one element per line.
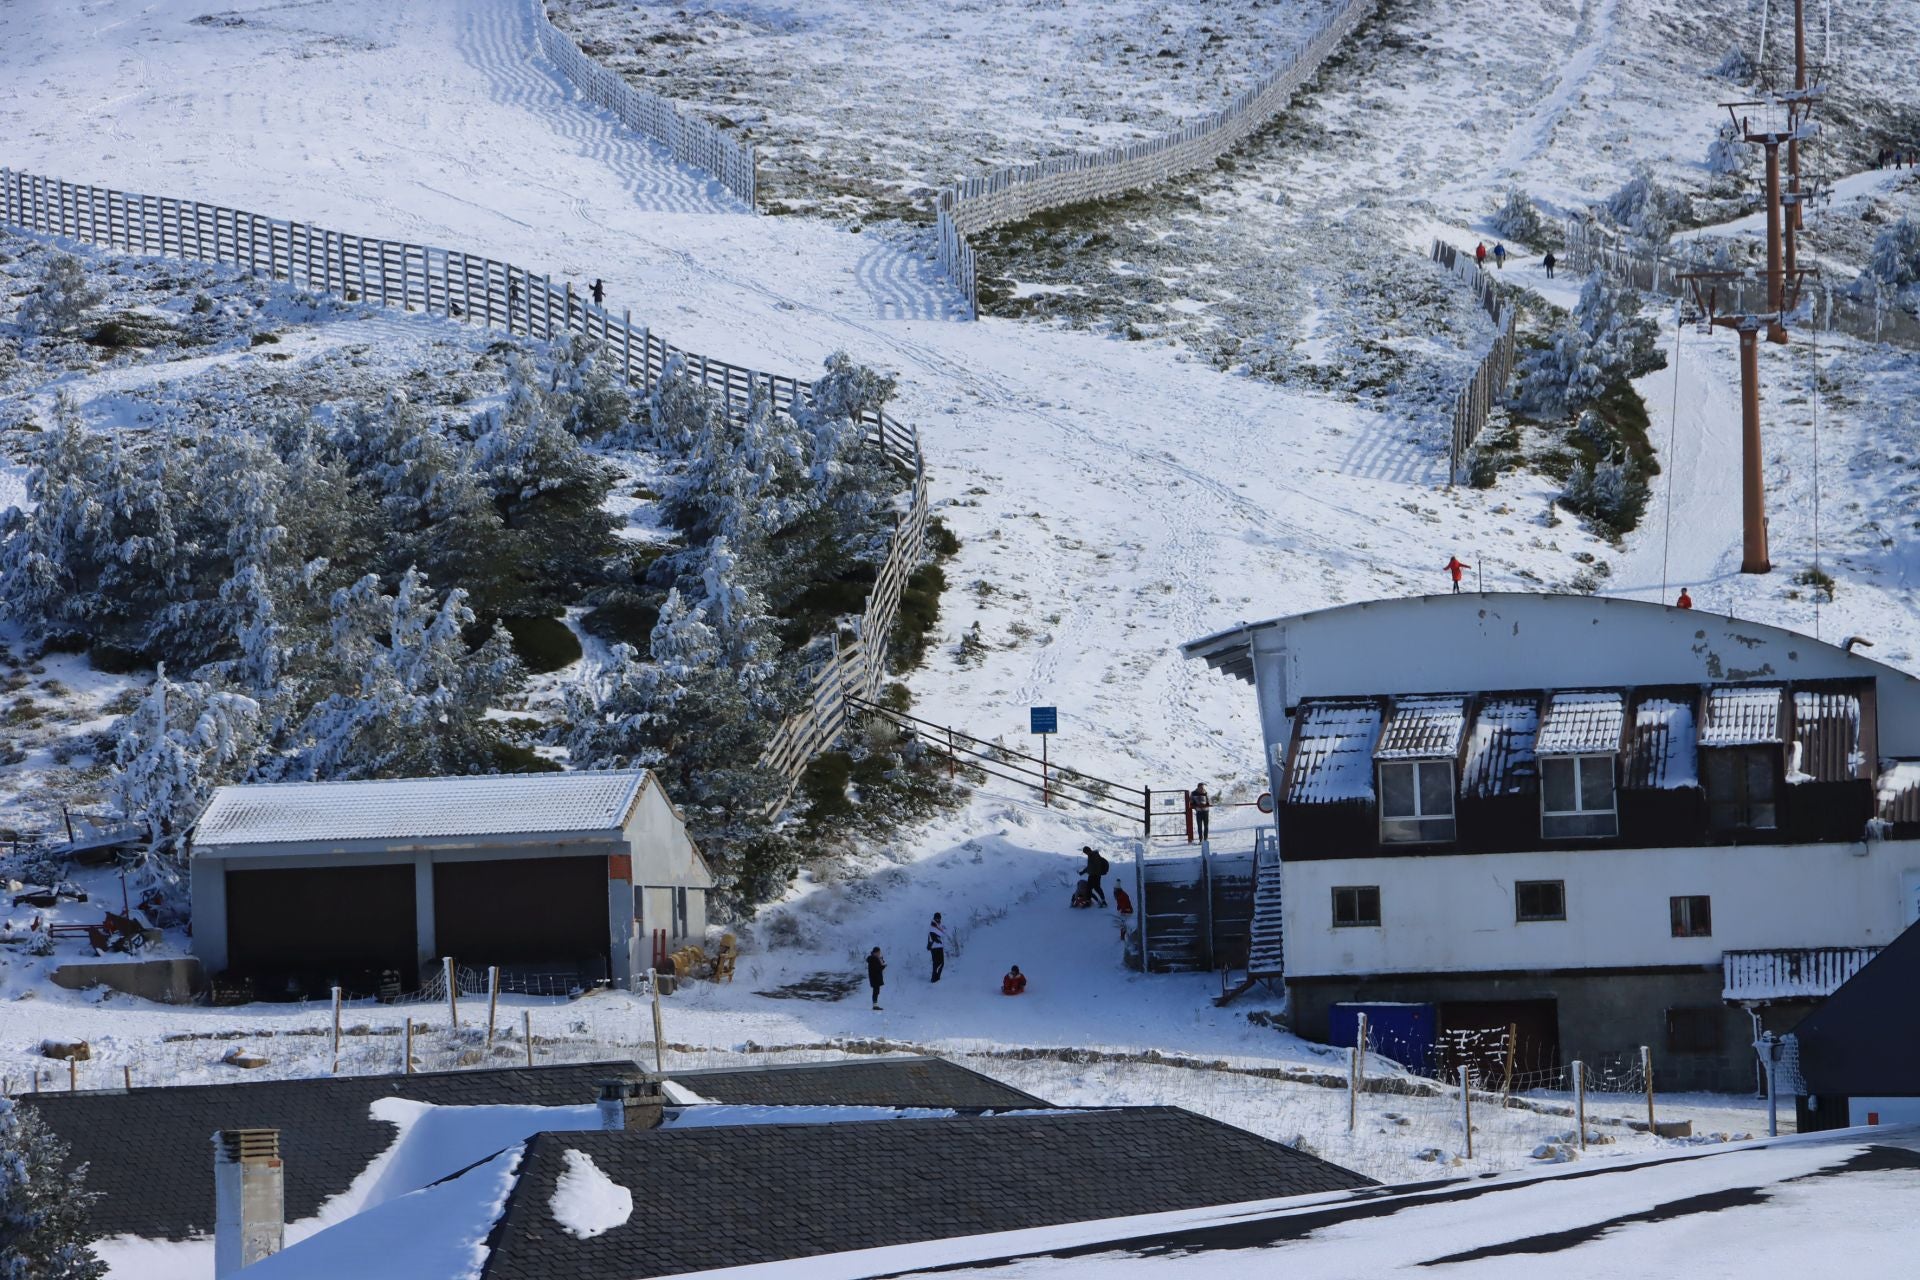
<point x="1015" y="983"/>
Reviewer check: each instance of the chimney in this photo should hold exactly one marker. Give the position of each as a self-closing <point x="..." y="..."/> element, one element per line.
<point x="630" y="1104"/>
<point x="249" y="1203"/>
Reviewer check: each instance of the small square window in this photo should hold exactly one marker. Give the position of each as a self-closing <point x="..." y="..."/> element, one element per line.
<point x="1416" y="802"/>
<point x="1356" y="906"/>
<point x="1692" y="916"/>
<point x="1576" y="798"/>
<point x="1539" y="900"/>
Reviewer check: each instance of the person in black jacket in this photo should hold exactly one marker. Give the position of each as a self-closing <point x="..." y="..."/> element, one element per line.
<point x="937" y="945"/>
<point x="876" y="974"/>
<point x="1096" y="869"/>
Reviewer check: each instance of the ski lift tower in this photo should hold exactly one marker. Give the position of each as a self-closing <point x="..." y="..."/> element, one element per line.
<point x="1797" y="129"/>
<point x="1783" y="296"/>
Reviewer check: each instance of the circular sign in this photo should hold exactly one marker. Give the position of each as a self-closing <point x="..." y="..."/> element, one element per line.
<point x="1265" y="802"/>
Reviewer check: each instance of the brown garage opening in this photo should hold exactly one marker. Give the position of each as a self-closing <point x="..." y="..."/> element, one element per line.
<point x="536" y="918"/>
<point x="302" y="930"/>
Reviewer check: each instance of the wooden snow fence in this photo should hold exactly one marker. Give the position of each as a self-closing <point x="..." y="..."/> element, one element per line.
<point x="693" y="141"/>
<point x="1017" y="192"/>
<point x="479" y="290"/>
<point x="1591" y="248"/>
<point x="1488" y="386"/>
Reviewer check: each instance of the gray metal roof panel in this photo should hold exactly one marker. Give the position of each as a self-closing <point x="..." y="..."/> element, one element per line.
<point x="874" y="1082"/>
<point x="1742" y="715"/>
<point x="1582" y="722"/>
<point x="1424" y="727"/>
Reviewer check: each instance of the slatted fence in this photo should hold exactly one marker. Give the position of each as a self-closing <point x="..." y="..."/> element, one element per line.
<point x="1591" y="248"/>
<point x="480" y="290"/>
<point x="692" y="140"/>
<point x="1016" y="192"/>
<point x="1488" y="386"/>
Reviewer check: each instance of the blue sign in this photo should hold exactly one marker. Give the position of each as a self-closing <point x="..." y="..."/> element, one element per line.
<point x="1044" y="719"/>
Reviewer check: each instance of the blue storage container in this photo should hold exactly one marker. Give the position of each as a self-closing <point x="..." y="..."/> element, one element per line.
<point x="1403" y="1032"/>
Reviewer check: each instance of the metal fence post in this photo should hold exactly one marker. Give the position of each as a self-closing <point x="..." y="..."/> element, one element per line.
<point x="1466" y="1106"/>
<point x="1580" y="1100"/>
<point x="1646" y="1074"/>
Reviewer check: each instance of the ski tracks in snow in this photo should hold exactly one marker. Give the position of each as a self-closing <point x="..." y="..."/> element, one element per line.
<point x="1592" y="37"/>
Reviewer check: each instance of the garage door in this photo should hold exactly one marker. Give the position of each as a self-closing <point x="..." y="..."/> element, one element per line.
<point x="321" y="926"/>
<point x="523" y="913"/>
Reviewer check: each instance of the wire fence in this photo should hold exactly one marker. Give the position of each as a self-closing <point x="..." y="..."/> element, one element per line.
<point x="473" y="289"/>
<point x="1016" y="192"/>
<point x="693" y="141"/>
<point x="1488" y="386"/>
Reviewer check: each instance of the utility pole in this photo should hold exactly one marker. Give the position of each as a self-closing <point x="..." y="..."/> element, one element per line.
<point x="1782" y="251"/>
<point x="1782" y="296"/>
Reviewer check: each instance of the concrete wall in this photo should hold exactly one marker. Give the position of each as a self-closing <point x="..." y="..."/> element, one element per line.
<point x="176" y="981"/>
<point x="1455" y="912"/>
<point x="1883" y="1110"/>
<point x="663" y="853"/>
<point x="1603" y="1018"/>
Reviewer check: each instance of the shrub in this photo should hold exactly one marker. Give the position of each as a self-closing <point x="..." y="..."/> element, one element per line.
<point x="1518" y="218"/>
<point x="919" y="614"/>
<point x="61" y="302"/>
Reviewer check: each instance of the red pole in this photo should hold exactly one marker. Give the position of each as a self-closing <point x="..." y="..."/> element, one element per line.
<point x="1046" y="783"/>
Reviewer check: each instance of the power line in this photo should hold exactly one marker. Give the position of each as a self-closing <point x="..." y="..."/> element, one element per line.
<point x="1673" y="436"/>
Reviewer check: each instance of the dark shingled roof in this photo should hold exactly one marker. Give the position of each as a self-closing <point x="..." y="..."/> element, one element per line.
<point x="150" y="1151"/>
<point x="732" y="1196"/>
<point x="876" y="1082"/>
<point x="1863" y="1041"/>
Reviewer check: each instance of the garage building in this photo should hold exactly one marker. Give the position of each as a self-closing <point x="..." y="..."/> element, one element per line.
<point x="555" y="877"/>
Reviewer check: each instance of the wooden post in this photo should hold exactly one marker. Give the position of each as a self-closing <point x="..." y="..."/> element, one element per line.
<point x="336" y="1031"/>
<point x="1646" y="1073"/>
<point x="1513" y="1036"/>
<point x="526" y="1032"/>
<point x="126" y="1077"/>
<point x="1466" y="1106"/>
<point x="407" y="1046"/>
<point x="453" y="993"/>
<point x="1357" y="1072"/>
<point x="1580" y="1100"/>
<point x="493" y="1000"/>
<point x="73" y="1074"/>
<point x="659" y="1038"/>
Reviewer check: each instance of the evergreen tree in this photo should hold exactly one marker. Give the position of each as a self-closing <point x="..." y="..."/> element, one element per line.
<point x="181" y="742"/>
<point x="595" y="399"/>
<point x="61" y="302"/>
<point x="1728" y="153"/>
<point x="394" y="691"/>
<point x="1518" y="218"/>
<point x="45" y="1232"/>
<point x="1894" y="264"/>
<point x="1647" y="209"/>
<point x="1605" y="339"/>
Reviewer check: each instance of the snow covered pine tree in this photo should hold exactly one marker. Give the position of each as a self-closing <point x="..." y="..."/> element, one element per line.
<point x="44" y="1228"/>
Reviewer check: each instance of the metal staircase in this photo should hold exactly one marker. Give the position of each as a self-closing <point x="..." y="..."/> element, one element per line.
<point x="1265" y="958"/>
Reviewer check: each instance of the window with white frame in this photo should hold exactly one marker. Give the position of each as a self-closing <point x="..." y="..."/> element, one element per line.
<point x="1576" y="797"/>
<point x="1416" y="801"/>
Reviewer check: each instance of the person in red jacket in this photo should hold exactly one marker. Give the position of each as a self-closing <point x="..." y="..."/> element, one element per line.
<point x="1014" y="984"/>
<point x="1121" y="902"/>
<point x="1685" y="601"/>
<point x="1480" y="253"/>
<point x="1456" y="566"/>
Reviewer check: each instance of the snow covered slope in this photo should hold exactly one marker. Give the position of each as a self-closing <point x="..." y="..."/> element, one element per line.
<point x="1115" y="498"/>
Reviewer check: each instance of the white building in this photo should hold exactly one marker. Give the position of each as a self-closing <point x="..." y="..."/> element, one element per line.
<point x="560" y="876"/>
<point x="1604" y="822"/>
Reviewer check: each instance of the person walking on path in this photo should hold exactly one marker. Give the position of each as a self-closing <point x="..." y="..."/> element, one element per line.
<point x="1548" y="262"/>
<point x="1456" y="566"/>
<point x="1097" y="867"/>
<point x="1685" y="601"/>
<point x="1015" y="983"/>
<point x="1121" y="902"/>
<point x="1500" y="256"/>
<point x="1202" y="805"/>
<point x="599" y="294"/>
<point x="937" y="938"/>
<point x="1480" y="254"/>
<point x="876" y="973"/>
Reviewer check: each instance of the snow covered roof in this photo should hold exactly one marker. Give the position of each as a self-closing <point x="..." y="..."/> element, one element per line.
<point x="1661" y="754"/>
<point x="1333" y="761"/>
<point x="1826" y="736"/>
<point x="1424" y="727"/>
<point x="419" y="808"/>
<point x="1792" y="973"/>
<point x="1776" y="1207"/>
<point x="1500" y="748"/>
<point x="1742" y="715"/>
<point x="1582" y="722"/>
